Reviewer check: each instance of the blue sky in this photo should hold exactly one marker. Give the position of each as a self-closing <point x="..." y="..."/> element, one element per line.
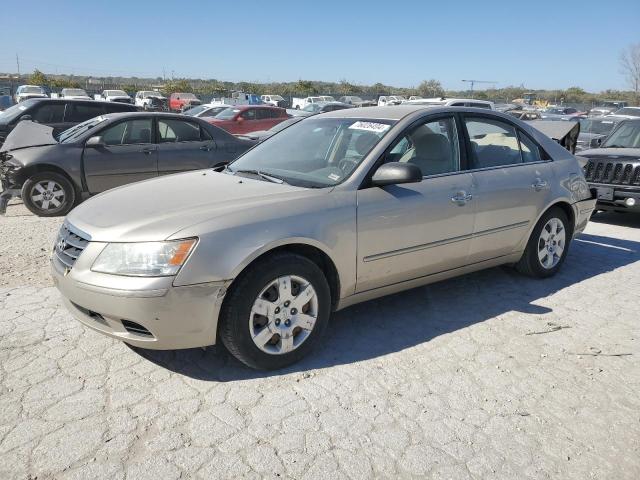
<point x="541" y="44"/>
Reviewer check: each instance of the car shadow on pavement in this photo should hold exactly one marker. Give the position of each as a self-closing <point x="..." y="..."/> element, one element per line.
<point x="621" y="219"/>
<point x="404" y="320"/>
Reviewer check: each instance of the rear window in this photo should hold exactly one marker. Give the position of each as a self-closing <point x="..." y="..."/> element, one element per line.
<point x="81" y="112"/>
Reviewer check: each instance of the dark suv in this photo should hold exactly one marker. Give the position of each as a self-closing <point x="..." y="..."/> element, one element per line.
<point x="57" y="113"/>
<point x="613" y="169"/>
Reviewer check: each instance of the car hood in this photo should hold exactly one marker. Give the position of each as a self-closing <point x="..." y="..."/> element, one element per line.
<point x="28" y="134"/>
<point x="156" y="209"/>
<point x="613" y="153"/>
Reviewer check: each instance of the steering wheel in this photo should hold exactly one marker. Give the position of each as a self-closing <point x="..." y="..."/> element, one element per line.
<point x="347" y="165"/>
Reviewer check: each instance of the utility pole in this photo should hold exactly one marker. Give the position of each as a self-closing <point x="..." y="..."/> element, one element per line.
<point x="473" y="82"/>
<point x="18" y="64"/>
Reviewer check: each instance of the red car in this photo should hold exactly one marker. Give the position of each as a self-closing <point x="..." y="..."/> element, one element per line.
<point x="248" y="118"/>
<point x="182" y="101"/>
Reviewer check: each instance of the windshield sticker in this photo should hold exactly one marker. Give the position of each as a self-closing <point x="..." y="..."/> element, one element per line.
<point x="334" y="177"/>
<point x="370" y="127"/>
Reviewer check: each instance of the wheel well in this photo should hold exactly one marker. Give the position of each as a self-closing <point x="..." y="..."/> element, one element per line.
<point x="33" y="169"/>
<point x="317" y="256"/>
<point x="568" y="210"/>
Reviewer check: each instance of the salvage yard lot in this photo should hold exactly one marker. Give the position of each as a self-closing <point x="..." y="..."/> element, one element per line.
<point x="491" y="375"/>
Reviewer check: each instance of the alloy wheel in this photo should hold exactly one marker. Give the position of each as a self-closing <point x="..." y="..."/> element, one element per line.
<point x="47" y="195"/>
<point x="283" y="315"/>
<point x="551" y="243"/>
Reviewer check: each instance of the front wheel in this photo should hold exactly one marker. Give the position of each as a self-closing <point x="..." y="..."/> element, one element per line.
<point x="276" y="312"/>
<point x="548" y="246"/>
<point x="48" y="194"/>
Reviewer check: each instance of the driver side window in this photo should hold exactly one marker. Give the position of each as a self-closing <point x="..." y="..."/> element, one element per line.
<point x="432" y="146"/>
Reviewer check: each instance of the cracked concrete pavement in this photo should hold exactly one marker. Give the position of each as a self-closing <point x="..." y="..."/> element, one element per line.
<point x="491" y="375"/>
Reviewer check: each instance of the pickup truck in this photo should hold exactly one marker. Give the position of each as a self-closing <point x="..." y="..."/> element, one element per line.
<point x="179" y="102"/>
<point x="299" y="103"/>
<point x="275" y="100"/>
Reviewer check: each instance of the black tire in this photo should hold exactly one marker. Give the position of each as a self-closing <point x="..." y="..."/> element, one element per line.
<point x="30" y="194"/>
<point x="530" y="264"/>
<point x="236" y="310"/>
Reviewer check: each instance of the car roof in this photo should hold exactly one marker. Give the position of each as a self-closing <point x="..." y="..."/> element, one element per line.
<point x="398" y="112"/>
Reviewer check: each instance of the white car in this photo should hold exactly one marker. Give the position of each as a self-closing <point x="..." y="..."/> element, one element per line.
<point x="300" y="103"/>
<point x="74" y="94"/>
<point x="143" y="98"/>
<point x="207" y="110"/>
<point x="628" y="112"/>
<point x="451" y="102"/>
<point x="24" y="92"/>
<point x="390" y="100"/>
<point x="115" y="96"/>
<point x="275" y="100"/>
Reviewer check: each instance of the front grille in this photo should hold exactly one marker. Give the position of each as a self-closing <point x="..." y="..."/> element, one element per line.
<point x="612" y="172"/>
<point x="69" y="245"/>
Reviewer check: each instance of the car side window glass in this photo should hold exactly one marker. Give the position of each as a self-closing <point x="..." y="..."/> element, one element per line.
<point x="493" y="143"/>
<point x="249" y="114"/>
<point x="48" y="113"/>
<point x="79" y="113"/>
<point x="128" y="133"/>
<point x="530" y="151"/>
<point x="432" y="146"/>
<point x="178" y="131"/>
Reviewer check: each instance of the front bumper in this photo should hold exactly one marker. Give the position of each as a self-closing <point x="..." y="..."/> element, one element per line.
<point x="619" y="202"/>
<point x="144" y="312"/>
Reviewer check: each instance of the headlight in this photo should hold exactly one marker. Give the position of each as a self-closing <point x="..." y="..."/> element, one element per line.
<point x="147" y="259"/>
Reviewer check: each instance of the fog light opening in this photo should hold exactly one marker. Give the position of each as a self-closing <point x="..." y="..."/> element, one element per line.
<point x="630" y="202"/>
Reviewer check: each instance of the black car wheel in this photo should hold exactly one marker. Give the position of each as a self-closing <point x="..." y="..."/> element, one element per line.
<point x="276" y="312"/>
<point x="48" y="194"/>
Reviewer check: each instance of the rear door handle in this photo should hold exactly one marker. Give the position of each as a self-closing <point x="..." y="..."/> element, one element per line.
<point x="539" y="184"/>
<point x="461" y="198"/>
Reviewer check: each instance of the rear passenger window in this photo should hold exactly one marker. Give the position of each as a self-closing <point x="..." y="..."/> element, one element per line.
<point x="48" y="113"/>
<point x="493" y="143"/>
<point x="79" y="113"/>
<point x="530" y="151"/>
<point x="178" y="131"/>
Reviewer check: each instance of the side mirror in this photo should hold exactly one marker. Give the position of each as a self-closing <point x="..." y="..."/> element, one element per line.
<point x="394" y="173"/>
<point x="25" y="118"/>
<point x="595" y="142"/>
<point x="95" y="142"/>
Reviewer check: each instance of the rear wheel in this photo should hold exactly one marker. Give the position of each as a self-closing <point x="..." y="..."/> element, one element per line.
<point x="276" y="312"/>
<point x="48" y="194"/>
<point x="548" y="246"/>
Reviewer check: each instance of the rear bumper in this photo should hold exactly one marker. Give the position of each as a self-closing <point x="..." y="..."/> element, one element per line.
<point x="156" y="316"/>
<point x="583" y="211"/>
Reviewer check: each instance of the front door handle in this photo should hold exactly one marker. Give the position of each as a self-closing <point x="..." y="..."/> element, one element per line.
<point x="148" y="150"/>
<point x="206" y="148"/>
<point x="461" y="198"/>
<point x="539" y="184"/>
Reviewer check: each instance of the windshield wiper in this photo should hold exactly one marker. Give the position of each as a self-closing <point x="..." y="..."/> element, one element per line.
<point x="613" y="146"/>
<point x="266" y="176"/>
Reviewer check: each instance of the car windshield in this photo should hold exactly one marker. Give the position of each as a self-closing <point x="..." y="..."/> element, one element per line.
<point x="313" y="107"/>
<point x="114" y="93"/>
<point x="314" y="153"/>
<point x="356" y="99"/>
<point x="192" y="112"/>
<point x="72" y="134"/>
<point x="227" y="114"/>
<point x="634" y="112"/>
<point x="277" y="98"/>
<point x="74" y="91"/>
<point x="285" y="124"/>
<point x="151" y="94"/>
<point x="601" y="127"/>
<point x="12" y="112"/>
<point x="185" y="95"/>
<point x="627" y="135"/>
<point x="31" y="90"/>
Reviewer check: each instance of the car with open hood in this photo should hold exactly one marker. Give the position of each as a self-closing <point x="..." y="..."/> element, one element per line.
<point x="53" y="173"/>
<point x="58" y="113"/>
<point x="613" y="168"/>
<point x="336" y="209"/>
